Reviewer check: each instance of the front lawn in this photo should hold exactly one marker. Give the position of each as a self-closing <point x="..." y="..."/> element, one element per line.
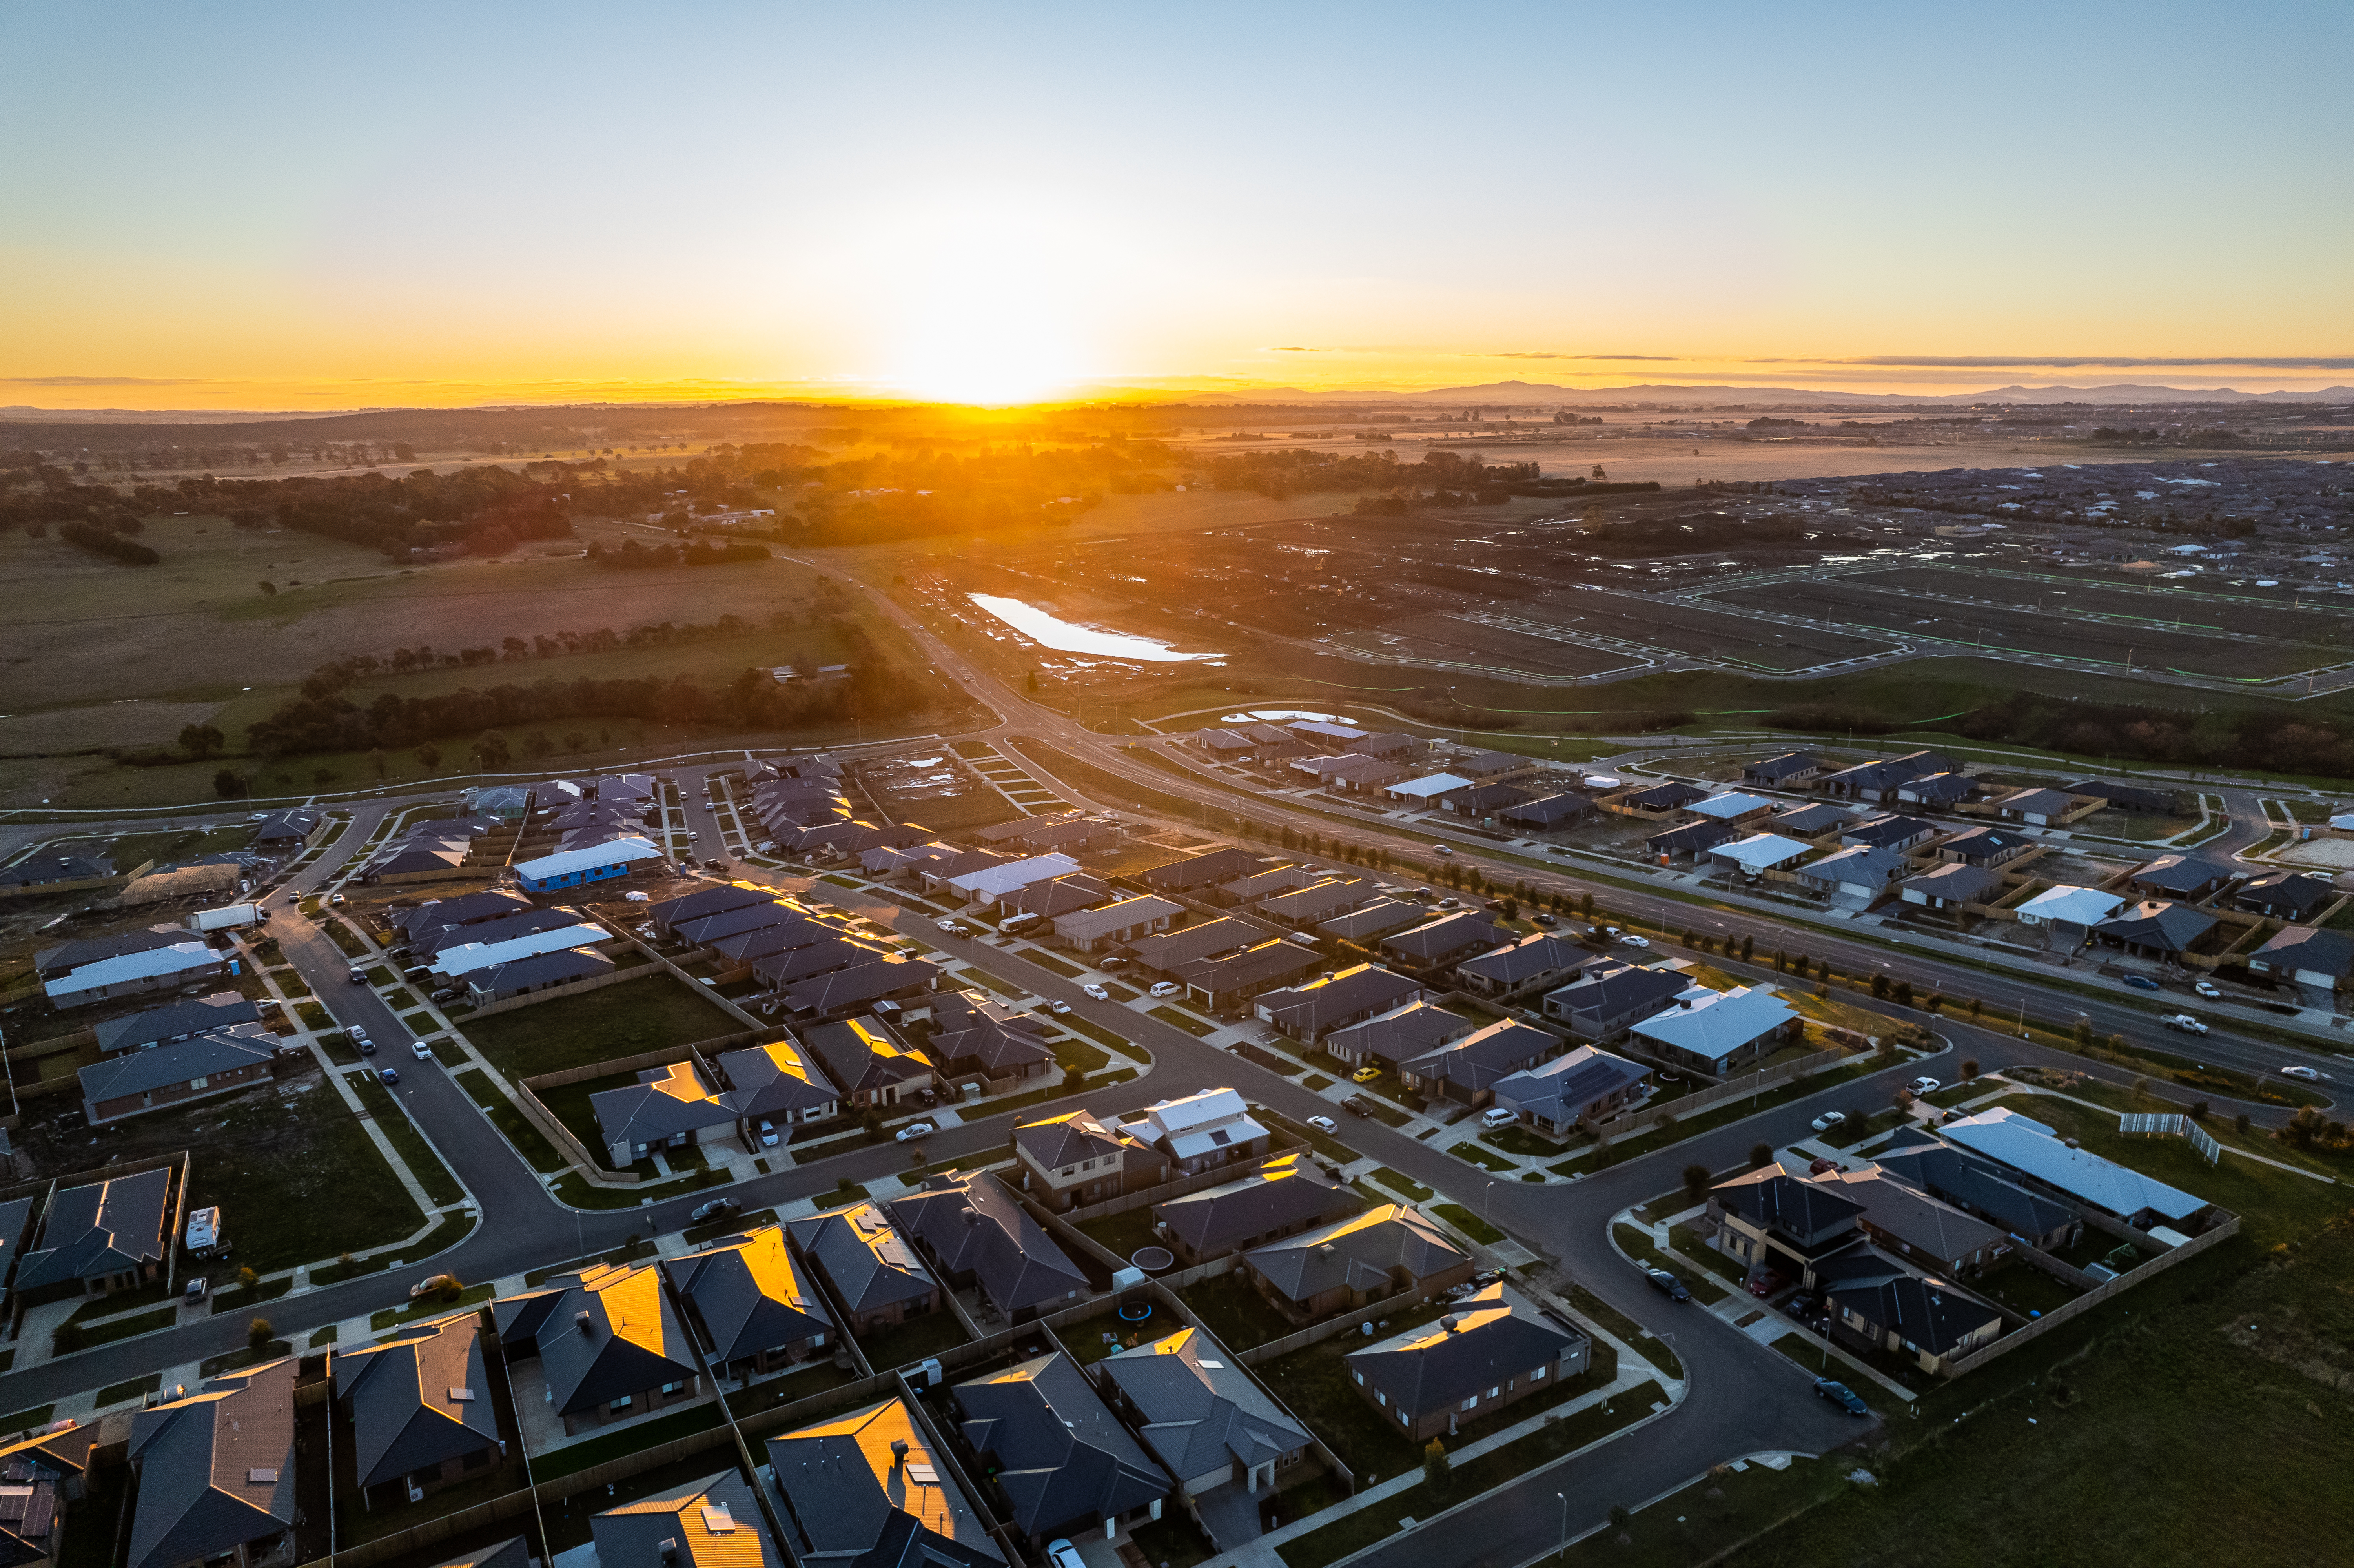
<point x="518" y="1128"/>
<point x="1175" y="1019"/>
<point x="615" y="1021"/>
<point x="1469" y="1224"/>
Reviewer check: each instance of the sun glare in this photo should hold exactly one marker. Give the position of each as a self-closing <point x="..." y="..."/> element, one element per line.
<point x="990" y="316"/>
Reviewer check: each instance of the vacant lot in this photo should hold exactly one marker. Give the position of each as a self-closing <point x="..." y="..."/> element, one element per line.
<point x="649" y="1014"/>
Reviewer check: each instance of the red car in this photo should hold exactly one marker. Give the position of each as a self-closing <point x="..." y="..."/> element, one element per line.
<point x="1765" y="1284"/>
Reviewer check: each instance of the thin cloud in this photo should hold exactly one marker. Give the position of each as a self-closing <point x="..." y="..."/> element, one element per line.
<point x="98" y="381"/>
<point x="1661" y="358"/>
<point x="2075" y="362"/>
<point x="1295" y="348"/>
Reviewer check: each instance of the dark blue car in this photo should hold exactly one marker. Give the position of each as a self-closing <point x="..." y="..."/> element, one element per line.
<point x="1839" y="1393"/>
<point x="2141" y="983"/>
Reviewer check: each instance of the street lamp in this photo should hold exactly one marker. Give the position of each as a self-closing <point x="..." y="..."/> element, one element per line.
<point x="1564" y="1521"/>
<point x="2022" y="1018"/>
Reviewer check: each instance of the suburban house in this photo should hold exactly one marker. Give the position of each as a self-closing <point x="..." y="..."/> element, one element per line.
<point x="2286" y="895"/>
<point x="1201" y="1131"/>
<point x="1586" y="1086"/>
<point x="538" y="972"/>
<point x="105" y="1236"/>
<point x="975" y="1037"/>
<point x="1546" y="813"/>
<point x="608" y="1343"/>
<point x="1116" y="924"/>
<point x="216" y="1062"/>
<point x="1977" y="1186"/>
<point x="1813" y="821"/>
<point x="2304" y="955"/>
<point x="1467" y="1070"/>
<point x="1427" y="790"/>
<point x="751" y="1305"/>
<point x="1064" y="831"/>
<point x="1389" y="1251"/>
<point x="420" y="1405"/>
<point x="2125" y="797"/>
<point x="777" y="1082"/>
<point x="1760" y="853"/>
<point x="174" y="1021"/>
<point x="1880" y="781"/>
<point x="991" y="883"/>
<point x="2183" y="877"/>
<point x="669" y="915"/>
<point x="137" y="967"/>
<point x="1984" y="847"/>
<point x="1853" y="874"/>
<point x="43" y="1473"/>
<point x="1535" y="959"/>
<point x="714" y="1522"/>
<point x="2069" y="910"/>
<point x="1075" y="1159"/>
<point x="1267" y="883"/>
<point x="1718" y="1032"/>
<point x="1783" y="772"/>
<point x="1057" y="895"/>
<point x="860" y="986"/>
<point x="1772" y="1222"/>
<point x="2033" y="1154"/>
<point x="1930" y="1235"/>
<point x="1937" y="791"/>
<point x="1659" y="799"/>
<point x="1372" y="921"/>
<point x="216" y="1474"/>
<point x="868" y="1061"/>
<point x="1691" y="839"/>
<point x="1612" y="998"/>
<point x="594" y="862"/>
<point x="873" y="1272"/>
<point x="1285" y="1195"/>
<point x="289" y="830"/>
<point x="1222" y="983"/>
<point x="1204" y="870"/>
<point x="1063" y="1462"/>
<point x="1951" y="886"/>
<point x="1397" y="1034"/>
<point x="1492" y="1351"/>
<point x="2154" y="929"/>
<point x="975" y="1232"/>
<point x="1888" y="832"/>
<point x="1877" y="1304"/>
<point x="1318" y="901"/>
<point x="1732" y="807"/>
<point x="1209" y="1424"/>
<point x="1309" y="1013"/>
<point x="55" y="873"/>
<point x="2038" y="808"/>
<point x="866" y="1489"/>
<point x="668" y="1108"/>
<point x="1164" y="952"/>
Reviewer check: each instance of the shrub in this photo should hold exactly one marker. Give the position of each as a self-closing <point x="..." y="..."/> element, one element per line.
<point x="259" y="1333"/>
<point x="1761" y="1156"/>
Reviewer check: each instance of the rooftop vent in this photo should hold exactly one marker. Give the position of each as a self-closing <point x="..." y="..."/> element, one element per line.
<point x="258" y="1477"/>
<point x="584" y="1322"/>
<point x="1448" y="1323"/>
<point x="669" y="1549"/>
<point x="462" y="1395"/>
<point x="898" y="1452"/>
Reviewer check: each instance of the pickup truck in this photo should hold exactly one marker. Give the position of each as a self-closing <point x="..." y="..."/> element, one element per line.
<point x="2185" y="1023"/>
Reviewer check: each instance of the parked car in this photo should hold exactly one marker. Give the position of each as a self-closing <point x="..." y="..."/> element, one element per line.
<point x="2206" y="988"/>
<point x="335" y="900"/>
<point x="1441" y="849"/>
<point x="356" y="977"/>
<point x="717" y="1208"/>
<point x="432" y="1283"/>
<point x="768" y="1133"/>
<point x="1323" y="1124"/>
<point x="1668" y="1285"/>
<point x="945" y="924"/>
<point x="1839" y="1393"/>
<point x="1355" y="1104"/>
<point x="914" y="1130"/>
<point x="1166" y="987"/>
<point x="1632" y="941"/>
<point x="2141" y="983"/>
<point x="1096" y="991"/>
<point x="2185" y="1023"/>
<point x="416" y="976"/>
<point x="2307" y="1074"/>
<point x="956" y="928"/>
<point x="1062" y="1554"/>
<point x="1545" y="920"/>
<point x="421" y="1050"/>
<point x="1058" y="1007"/>
<point x="1496" y="1117"/>
<point x="1365" y="1074"/>
<point x="1113" y="963"/>
<point x="447" y="993"/>
<point x="1924" y="1085"/>
<point x="1450" y="904"/>
<point x="389" y="1075"/>
<point x="194" y="1291"/>
<point x="1830" y="1119"/>
<point x="365" y="1046"/>
<point x="1765" y="1284"/>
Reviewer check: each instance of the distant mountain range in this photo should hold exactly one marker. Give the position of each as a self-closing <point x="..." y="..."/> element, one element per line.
<point x="1512" y="392"/>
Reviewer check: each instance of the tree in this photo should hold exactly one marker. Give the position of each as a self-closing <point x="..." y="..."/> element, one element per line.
<point x="1904" y="993"/>
<point x="1698" y="1178"/>
<point x="66" y="1339"/>
<point x="1435" y="1466"/>
<point x="247" y="1280"/>
<point x="1880" y="987"/>
<point x="1586" y="907"/>
<point x="1618" y="1514"/>
<point x="870" y="1122"/>
<point x="1748" y="946"/>
<point x="259" y="1333"/>
<point x="1512" y="909"/>
<point x="1760" y="1156"/>
<point x="1969" y="1068"/>
<point x="269" y="589"/>
<point x="490" y="749"/>
<point x="2083" y="1032"/>
<point x="428" y="756"/>
<point x="201" y="740"/>
<point x="1976" y="1007"/>
<point x="228" y="784"/>
<point x="1901" y="1099"/>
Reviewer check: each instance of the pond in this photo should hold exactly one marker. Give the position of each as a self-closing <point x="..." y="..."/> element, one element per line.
<point x="1053" y="632"/>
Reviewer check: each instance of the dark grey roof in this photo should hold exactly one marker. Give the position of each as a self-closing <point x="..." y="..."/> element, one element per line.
<point x="2308" y="947"/>
<point x="298" y="823"/>
<point x="1546" y="952"/>
<point x="1929" y="1313"/>
<point x="2130" y="797"/>
<point x="40" y="870"/>
<point x="1692" y="838"/>
<point x="2157" y="923"/>
<point x="1984" y="843"/>
<point x="1439" y="940"/>
<point x="1061" y="1457"/>
<point x="866" y="1490"/>
<point x="1319" y="900"/>
<point x="15" y="1224"/>
<point x="1200" y="1412"/>
<point x="663" y="1103"/>
<point x="1557" y="1090"/>
<point x="808" y="960"/>
<point x="1883" y="833"/>
<point x="868" y="1263"/>
<point x="2300" y="892"/>
<point x="1944" y="1171"/>
<point x="631" y="1339"/>
<point x="859" y="983"/>
<point x="2183" y="873"/>
<point x="403" y="1397"/>
<point x="1608" y="993"/>
<point x="517" y="975"/>
<point x="1662" y="797"/>
<point x="670" y="912"/>
<point x="1547" y="810"/>
<point x="505" y="928"/>
<point x="1774" y="1200"/>
<point x="216" y="1470"/>
<point x="1266" y="963"/>
<point x="105" y="1228"/>
<point x="1376" y="919"/>
<point x="1363" y="1252"/>
<point x="1495" y="1336"/>
<point x="51" y="962"/>
<point x="1066" y="1140"/>
<point x="970" y="1027"/>
<point x="1863" y="864"/>
<point x="970" y="1223"/>
<point x="1321" y="1004"/>
<point x="861" y="1054"/>
<point x="749" y="1294"/>
<point x="707" y="928"/>
<point x="714" y="1522"/>
<point x="1938" y="789"/>
<point x="784" y="937"/>
<point x="1059" y="895"/>
<point x="132" y="1073"/>
<point x="775" y="1079"/>
<point x="175" y="1020"/>
<point x="1199" y="871"/>
<point x="1281" y="1193"/>
<point x="1773" y="768"/>
<point x="1808" y="821"/>
<point x="1166" y="949"/>
<point x="1956" y="880"/>
<point x="1402" y="1032"/>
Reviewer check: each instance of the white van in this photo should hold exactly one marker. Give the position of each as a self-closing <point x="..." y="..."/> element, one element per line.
<point x="1497" y="1115"/>
<point x="1166" y="987"/>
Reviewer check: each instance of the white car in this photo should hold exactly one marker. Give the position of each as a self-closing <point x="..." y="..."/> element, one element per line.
<point x="335" y="900"/>
<point x="1062" y="1554"/>
<point x="421" y="1050"/>
<point x="2184" y="1021"/>
<point x="1096" y="991"/>
<point x="1440" y="849"/>
<point x="1058" y="1007"/>
<point x="914" y="1130"/>
<point x="1166" y="987"/>
<point x="1631" y="941"/>
<point x="1495" y="1116"/>
<point x="945" y="924"/>
<point x="1924" y="1085"/>
<point x="1830" y="1119"/>
<point x="2307" y="1074"/>
<point x="1323" y="1124"/>
<point x="2207" y="990"/>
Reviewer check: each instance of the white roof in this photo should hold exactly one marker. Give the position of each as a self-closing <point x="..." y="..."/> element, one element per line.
<point x="2077" y="905"/>
<point x="2344" y="822"/>
<point x="2029" y="1147"/>
<point x="1202" y="1123"/>
<point x="563" y="863"/>
<point x="1760" y="851"/>
<point x="125" y="967"/>
<point x="1433" y="784"/>
<point x="473" y="956"/>
<point x="1329" y="731"/>
<point x="1013" y="875"/>
<point x="1730" y="805"/>
<point x="1716" y="1024"/>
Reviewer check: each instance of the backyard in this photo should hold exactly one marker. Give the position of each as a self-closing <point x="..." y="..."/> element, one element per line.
<point x="598" y="1026"/>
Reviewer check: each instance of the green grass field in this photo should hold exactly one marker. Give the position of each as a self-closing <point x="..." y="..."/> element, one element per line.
<point x="649" y="1014"/>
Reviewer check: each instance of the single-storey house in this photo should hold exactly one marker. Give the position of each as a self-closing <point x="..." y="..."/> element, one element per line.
<point x="668" y="1108"/>
<point x="2303" y="954"/>
<point x="2124" y="797"/>
<point x="1204" y="1418"/>
<point x="1858" y="872"/>
<point x="2183" y="877"/>
<point x="2155" y="927"/>
<point x="108" y="1235"/>
<point x="1586" y="1086"/>
<point x="1791" y="768"/>
<point x="1397" y="1034"/>
<point x="2038" y="808"/>
<point x="595" y="862"/>
<point x="1374" y="921"/>
<point x="1984" y="847"/>
<point x="1492" y="1351"/>
<point x="1612" y="998"/>
<point x="536" y="972"/>
<point x="1812" y="820"/>
<point x="776" y="1082"/>
<point x="1937" y="791"/>
<point x="1438" y="943"/>
<point x="219" y="1062"/>
<point x="2035" y="1155"/>
<point x="1892" y="1308"/>
<point x="215" y="1473"/>
<point x="1546" y="813"/>
<point x="420" y="1405"/>
<point x="1539" y="959"/>
<point x="1732" y="807"/>
<point x="874" y="1271"/>
<point x="609" y="1342"/>
<point x="866" y="1060"/>
<point x="1694" y="838"/>
<point x="1718" y="1032"/>
<point x="1282" y="1197"/>
<point x="1467" y="1070"/>
<point x="1759" y="853"/>
<point x="2068" y="909"/>
<point x="975" y="1232"/>
<point x="2286" y="895"/>
<point x="179" y="1019"/>
<point x="1389" y="1251"/>
<point x="1062" y="1462"/>
<point x="1313" y="1010"/>
<point x="867" y="1489"/>
<point x="1888" y="832"/>
<point x="1951" y="886"/>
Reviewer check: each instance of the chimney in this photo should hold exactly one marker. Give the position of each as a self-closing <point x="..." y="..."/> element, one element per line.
<point x="1448" y="1323"/>
<point x="670" y="1549"/>
<point x="585" y="1323"/>
<point x="898" y="1453"/>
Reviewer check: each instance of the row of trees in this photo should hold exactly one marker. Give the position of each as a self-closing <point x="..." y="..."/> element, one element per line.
<point x="101" y="541"/>
<point x="630" y="556"/>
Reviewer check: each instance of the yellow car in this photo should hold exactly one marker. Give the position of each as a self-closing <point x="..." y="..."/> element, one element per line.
<point x="1364" y="1074"/>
